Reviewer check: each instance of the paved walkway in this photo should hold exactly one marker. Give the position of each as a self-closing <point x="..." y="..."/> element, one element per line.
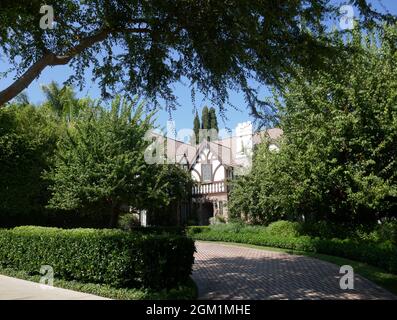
<point x="17" y="289"/>
<point x="235" y="272"/>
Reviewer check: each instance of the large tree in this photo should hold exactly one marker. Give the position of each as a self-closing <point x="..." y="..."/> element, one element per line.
<point x="213" y="123"/>
<point x="209" y="125"/>
<point x="213" y="119"/>
<point x="338" y="159"/>
<point x="205" y="118"/>
<point x="101" y="161"/>
<point x="62" y="102"/>
<point x="147" y="46"/>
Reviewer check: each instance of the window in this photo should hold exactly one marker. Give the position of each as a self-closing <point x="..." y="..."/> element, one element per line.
<point x="206" y="172"/>
<point x="229" y="173"/>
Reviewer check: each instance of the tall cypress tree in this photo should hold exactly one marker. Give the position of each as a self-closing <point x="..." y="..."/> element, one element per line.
<point x="213" y="122"/>
<point x="205" y="121"/>
<point x="196" y="127"/>
<point x="205" y="118"/>
<point x="209" y="121"/>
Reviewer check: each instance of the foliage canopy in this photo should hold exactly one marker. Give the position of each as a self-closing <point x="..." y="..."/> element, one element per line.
<point x="147" y="46"/>
<point x="338" y="158"/>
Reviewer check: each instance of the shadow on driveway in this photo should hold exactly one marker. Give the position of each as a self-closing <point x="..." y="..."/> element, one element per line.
<point x="233" y="272"/>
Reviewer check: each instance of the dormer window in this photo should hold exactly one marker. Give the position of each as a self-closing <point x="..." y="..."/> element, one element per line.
<point x="229" y="173"/>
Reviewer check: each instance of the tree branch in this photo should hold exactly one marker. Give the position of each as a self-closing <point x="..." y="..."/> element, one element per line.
<point x="51" y="59"/>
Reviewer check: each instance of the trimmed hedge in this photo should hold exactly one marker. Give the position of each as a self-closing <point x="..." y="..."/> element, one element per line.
<point x="159" y="230"/>
<point x="284" y="228"/>
<point x="113" y="257"/>
<point x="187" y="291"/>
<point x="383" y="255"/>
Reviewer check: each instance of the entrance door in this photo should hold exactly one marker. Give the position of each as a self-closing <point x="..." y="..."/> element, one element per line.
<point x="207" y="212"/>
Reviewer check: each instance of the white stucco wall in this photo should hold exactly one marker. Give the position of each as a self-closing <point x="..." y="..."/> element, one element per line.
<point x="195" y="176"/>
<point x="243" y="139"/>
<point x="220" y="173"/>
<point x="217" y="175"/>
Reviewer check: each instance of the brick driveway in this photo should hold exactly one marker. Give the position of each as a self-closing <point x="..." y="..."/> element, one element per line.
<point x="235" y="272"/>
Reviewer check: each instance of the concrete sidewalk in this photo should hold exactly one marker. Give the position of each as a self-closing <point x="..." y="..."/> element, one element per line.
<point x="17" y="289"/>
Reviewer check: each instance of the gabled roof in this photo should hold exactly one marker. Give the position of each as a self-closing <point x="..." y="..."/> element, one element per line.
<point x="222" y="152"/>
<point x="273" y="134"/>
<point x="223" y="148"/>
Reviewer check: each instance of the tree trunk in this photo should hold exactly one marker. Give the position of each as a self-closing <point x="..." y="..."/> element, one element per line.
<point x="51" y="59"/>
<point x="22" y="83"/>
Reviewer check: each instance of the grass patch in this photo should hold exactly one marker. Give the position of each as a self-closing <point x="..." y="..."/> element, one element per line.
<point x="382" y="278"/>
<point x="182" y="292"/>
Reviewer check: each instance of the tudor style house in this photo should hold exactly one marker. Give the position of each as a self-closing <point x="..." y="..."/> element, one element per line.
<point x="212" y="164"/>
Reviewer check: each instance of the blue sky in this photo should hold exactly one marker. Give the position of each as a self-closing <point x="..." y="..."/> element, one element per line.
<point x="183" y="116"/>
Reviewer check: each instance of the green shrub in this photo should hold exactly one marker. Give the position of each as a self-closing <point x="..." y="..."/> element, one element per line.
<point x="218" y="219"/>
<point x="387" y="231"/>
<point x="159" y="230"/>
<point x="329" y="230"/>
<point x="229" y="227"/>
<point x="383" y="255"/>
<point x="128" y="221"/>
<point x="283" y="228"/>
<point x="113" y="257"/>
<point x="196" y="229"/>
<point x="186" y="291"/>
